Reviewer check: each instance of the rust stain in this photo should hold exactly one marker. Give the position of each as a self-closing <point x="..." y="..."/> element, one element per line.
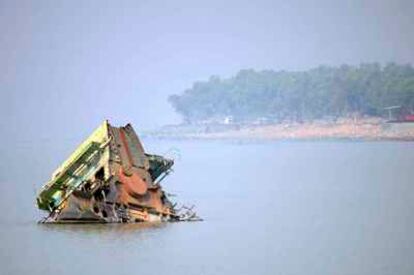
<point x="125" y="145"/>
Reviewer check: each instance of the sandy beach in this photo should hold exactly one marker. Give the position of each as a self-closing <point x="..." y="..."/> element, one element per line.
<point x="361" y="129"/>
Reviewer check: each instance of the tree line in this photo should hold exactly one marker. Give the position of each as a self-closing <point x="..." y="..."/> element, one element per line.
<point x="316" y="93"/>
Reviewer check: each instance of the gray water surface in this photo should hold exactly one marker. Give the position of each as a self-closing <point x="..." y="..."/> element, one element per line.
<point x="269" y="208"/>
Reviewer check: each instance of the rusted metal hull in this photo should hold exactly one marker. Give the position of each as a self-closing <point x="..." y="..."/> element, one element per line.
<point x="109" y="178"/>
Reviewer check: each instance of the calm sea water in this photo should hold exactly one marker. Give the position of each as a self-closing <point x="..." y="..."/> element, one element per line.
<point x="269" y="208"/>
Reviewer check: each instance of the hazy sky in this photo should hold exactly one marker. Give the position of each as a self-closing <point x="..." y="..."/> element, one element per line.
<point x="67" y="65"/>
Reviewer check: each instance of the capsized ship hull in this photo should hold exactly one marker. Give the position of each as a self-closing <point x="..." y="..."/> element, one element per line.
<point x="109" y="178"/>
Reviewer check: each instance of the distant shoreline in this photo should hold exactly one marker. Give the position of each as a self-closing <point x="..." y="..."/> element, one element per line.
<point x="372" y="129"/>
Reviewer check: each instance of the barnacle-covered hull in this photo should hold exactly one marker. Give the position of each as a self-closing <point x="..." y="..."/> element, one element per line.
<point x="109" y="178"/>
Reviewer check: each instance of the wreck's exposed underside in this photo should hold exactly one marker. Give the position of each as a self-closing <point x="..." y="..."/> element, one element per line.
<point x="109" y="178"/>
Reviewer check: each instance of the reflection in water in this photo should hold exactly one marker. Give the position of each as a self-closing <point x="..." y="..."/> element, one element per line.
<point x="107" y="232"/>
<point x="99" y="228"/>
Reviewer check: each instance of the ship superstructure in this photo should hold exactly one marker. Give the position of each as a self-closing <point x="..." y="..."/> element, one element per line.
<point x="109" y="178"/>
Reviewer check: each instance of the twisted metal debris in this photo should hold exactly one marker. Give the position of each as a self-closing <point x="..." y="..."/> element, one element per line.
<point x="110" y="179"/>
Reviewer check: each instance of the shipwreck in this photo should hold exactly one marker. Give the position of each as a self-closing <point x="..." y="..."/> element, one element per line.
<point x="109" y="178"/>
